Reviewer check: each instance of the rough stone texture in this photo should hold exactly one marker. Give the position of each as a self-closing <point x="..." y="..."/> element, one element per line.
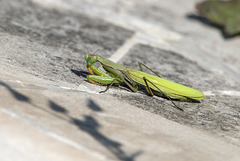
<point x="91" y="125"/>
<point x="28" y="142"/>
<point x="50" y="43"/>
<point x="50" y="112"/>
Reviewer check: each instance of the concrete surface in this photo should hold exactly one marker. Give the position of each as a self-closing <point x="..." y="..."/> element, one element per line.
<point x="48" y="111"/>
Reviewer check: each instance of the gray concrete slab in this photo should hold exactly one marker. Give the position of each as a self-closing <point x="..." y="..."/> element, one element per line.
<point x="47" y="103"/>
<point x="22" y="141"/>
<point x="48" y="42"/>
<point x="90" y="124"/>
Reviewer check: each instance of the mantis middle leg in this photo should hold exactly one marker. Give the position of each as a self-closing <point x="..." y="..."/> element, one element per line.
<point x="140" y="66"/>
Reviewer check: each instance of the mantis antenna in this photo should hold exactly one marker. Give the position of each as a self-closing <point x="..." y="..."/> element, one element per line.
<point x="95" y="51"/>
<point x="85" y="46"/>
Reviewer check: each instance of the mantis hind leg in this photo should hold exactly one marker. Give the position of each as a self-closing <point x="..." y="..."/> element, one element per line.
<point x="180" y="98"/>
<point x="152" y="94"/>
<point x="140" y="66"/>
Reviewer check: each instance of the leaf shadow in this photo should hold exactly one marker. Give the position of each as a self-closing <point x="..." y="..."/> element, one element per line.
<point x="207" y="22"/>
<point x="88" y="124"/>
<point x="91" y="126"/>
<point x="18" y="96"/>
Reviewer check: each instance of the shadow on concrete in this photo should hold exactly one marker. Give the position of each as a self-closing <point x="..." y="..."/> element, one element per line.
<point x="91" y="126"/>
<point x="18" y="96"/>
<point x="80" y="73"/>
<point x="23" y="98"/>
<point x="93" y="106"/>
<point x="56" y="107"/>
<point x="205" y="21"/>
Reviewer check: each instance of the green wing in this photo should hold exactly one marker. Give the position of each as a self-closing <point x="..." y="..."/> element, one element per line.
<point x="174" y="90"/>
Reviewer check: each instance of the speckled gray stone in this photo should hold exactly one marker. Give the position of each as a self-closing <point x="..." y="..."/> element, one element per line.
<point x="50" y="112"/>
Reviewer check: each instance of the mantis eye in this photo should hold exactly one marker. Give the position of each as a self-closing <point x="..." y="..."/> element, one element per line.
<point x="94" y="58"/>
<point x="86" y="56"/>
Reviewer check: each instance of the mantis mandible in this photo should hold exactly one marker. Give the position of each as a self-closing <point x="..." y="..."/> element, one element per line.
<point x="154" y="85"/>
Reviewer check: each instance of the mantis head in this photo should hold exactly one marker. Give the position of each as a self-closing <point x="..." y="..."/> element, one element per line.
<point x="90" y="59"/>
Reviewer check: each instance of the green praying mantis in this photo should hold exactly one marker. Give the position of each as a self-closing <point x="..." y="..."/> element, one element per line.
<point x="154" y="85"/>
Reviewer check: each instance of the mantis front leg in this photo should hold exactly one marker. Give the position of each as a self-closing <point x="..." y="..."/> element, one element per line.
<point x="111" y="77"/>
<point x="101" y="78"/>
<point x="95" y="79"/>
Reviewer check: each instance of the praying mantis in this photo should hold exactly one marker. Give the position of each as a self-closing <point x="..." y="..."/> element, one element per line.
<point x="154" y="85"/>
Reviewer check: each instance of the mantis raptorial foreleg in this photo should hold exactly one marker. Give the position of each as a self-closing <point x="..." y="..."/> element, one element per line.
<point x="113" y="77"/>
<point x="101" y="78"/>
<point x="96" y="71"/>
<point x="108" y="86"/>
